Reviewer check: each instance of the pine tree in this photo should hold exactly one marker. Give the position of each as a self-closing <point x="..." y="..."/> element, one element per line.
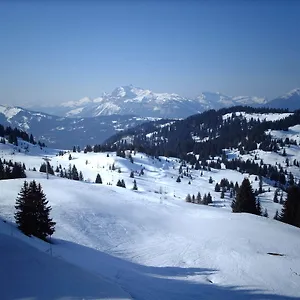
<point x="245" y="199"/>
<point x="80" y="176"/>
<point x="258" y="208"/>
<point x="217" y="187"/>
<point x="291" y="209"/>
<point x="198" y="198"/>
<point x="210" y="180"/>
<point x="98" y="179"/>
<point x="276" y="217"/>
<point x="188" y="198"/>
<point x="266" y="213"/>
<point x="75" y="175"/>
<point x="178" y="179"/>
<point x="131" y="174"/>
<point x="222" y="194"/>
<point x="134" y="185"/>
<point x="275" y="198"/>
<point x="32" y="215"/>
<point x="23" y="214"/>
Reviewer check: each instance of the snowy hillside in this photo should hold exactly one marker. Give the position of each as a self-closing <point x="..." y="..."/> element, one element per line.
<point x="29" y="273"/>
<point x="150" y="242"/>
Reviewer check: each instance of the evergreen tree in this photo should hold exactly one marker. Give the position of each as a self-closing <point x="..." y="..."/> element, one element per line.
<point x="222" y="194"/>
<point x="217" y="187"/>
<point x="98" y="179"/>
<point x="24" y="208"/>
<point x="188" y="198"/>
<point x="276" y="217"/>
<point x="75" y="175"/>
<point x="32" y="215"/>
<point x="178" y="179"/>
<point x="275" y="198"/>
<point x="134" y="185"/>
<point x="198" y="198"/>
<point x="131" y="174"/>
<point x="210" y="180"/>
<point x="291" y="209"/>
<point x="245" y="199"/>
<point x="258" y="207"/>
<point x="266" y="213"/>
<point x="80" y="176"/>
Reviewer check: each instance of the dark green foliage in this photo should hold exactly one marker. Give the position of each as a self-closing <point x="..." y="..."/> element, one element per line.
<point x="245" y="199"/>
<point x="32" y="211"/>
<point x="43" y="168"/>
<point x="217" y="188"/>
<point x="198" y="198"/>
<point x="178" y="179"/>
<point x="98" y="179"/>
<point x="266" y="213"/>
<point x="188" y="198"/>
<point x="222" y="194"/>
<point x="10" y="170"/>
<point x="121" y="183"/>
<point x="210" y="180"/>
<point x="134" y="185"/>
<point x="131" y="174"/>
<point x="75" y="175"/>
<point x="275" y="198"/>
<point x="291" y="209"/>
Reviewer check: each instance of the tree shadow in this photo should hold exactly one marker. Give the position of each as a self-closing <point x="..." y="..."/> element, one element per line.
<point x="149" y="282"/>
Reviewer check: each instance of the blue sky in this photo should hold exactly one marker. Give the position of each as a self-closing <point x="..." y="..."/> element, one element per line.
<point x="57" y="51"/>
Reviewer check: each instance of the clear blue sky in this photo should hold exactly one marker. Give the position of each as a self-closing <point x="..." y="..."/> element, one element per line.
<point x="57" y="51"/>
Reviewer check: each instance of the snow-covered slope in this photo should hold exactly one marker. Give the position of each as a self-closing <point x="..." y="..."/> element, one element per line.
<point x="153" y="244"/>
<point x="29" y="273"/>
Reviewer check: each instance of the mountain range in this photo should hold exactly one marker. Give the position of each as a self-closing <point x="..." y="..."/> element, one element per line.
<point x="145" y="103"/>
<point x="137" y="101"/>
<point x="62" y="132"/>
<point x="90" y="121"/>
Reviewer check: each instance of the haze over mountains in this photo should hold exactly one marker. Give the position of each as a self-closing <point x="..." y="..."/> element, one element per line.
<point x="145" y="103"/>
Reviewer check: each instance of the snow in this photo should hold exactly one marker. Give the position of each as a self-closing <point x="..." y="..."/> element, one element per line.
<point x="292" y="133"/>
<point x="75" y="111"/>
<point x="28" y="273"/>
<point x="9" y="112"/>
<point x="262" y="117"/>
<point x="146" y="244"/>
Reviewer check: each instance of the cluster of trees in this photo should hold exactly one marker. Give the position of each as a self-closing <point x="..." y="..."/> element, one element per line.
<point x="245" y="200"/>
<point x="121" y="183"/>
<point x="214" y="133"/>
<point x="33" y="212"/>
<point x="291" y="208"/>
<point x="207" y="199"/>
<point x="12" y="134"/>
<point x="10" y="170"/>
<point x="72" y="173"/>
<point x="226" y="186"/>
